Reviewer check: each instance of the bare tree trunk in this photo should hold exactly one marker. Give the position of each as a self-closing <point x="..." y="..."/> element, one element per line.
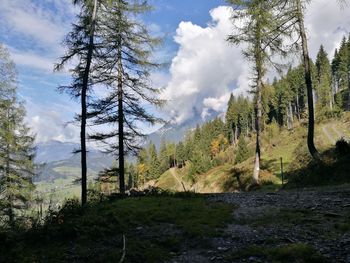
<point x="8" y="178"/>
<point x="7" y="175"/>
<point x="258" y="106"/>
<point x="289" y="116"/>
<point x="232" y="136"/>
<point x="120" y="119"/>
<point x="236" y="134"/>
<point x="297" y="107"/>
<point x="84" y="109"/>
<point x="10" y="197"/>
<point x="308" y="81"/>
<point x="348" y="107"/>
<point x="258" y="55"/>
<point x="331" y="100"/>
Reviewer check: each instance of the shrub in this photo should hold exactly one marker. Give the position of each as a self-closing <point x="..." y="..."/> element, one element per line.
<point x="324" y="113"/>
<point x="342" y="147"/>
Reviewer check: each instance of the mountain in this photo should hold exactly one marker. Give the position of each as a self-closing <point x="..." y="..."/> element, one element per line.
<point x="60" y="162"/>
<point x="173" y="132"/>
<point x="52" y="151"/>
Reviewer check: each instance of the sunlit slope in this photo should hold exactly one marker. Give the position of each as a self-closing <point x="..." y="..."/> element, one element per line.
<point x="277" y="144"/>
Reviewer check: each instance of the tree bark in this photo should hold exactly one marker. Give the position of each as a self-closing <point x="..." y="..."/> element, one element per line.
<point x="297" y="107"/>
<point x="7" y="176"/>
<point x="84" y="109"/>
<point x="236" y="134"/>
<point x="258" y="106"/>
<point x="349" y="92"/>
<point x="290" y="116"/>
<point x="308" y="81"/>
<point x="120" y="120"/>
<point x="10" y="197"/>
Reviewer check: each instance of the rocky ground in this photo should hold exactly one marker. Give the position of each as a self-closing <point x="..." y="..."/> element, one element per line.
<point x="309" y="225"/>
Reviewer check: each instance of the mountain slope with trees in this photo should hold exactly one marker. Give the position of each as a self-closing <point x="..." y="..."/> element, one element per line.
<point x="284" y="114"/>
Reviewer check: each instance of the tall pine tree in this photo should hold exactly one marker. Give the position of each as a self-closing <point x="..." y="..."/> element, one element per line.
<point x="17" y="149"/>
<point x="81" y="46"/>
<point x="259" y="24"/>
<point x="125" y="69"/>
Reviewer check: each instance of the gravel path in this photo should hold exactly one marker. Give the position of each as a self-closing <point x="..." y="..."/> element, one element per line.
<point x="313" y="217"/>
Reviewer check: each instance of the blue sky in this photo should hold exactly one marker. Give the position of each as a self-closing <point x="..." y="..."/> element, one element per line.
<point x="203" y="68"/>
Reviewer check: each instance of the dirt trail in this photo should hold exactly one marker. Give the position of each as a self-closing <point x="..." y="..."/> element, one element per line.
<point x="332" y="138"/>
<point x="174" y="174"/>
<point x="339" y="134"/>
<point x="319" y="218"/>
<point x="328" y="135"/>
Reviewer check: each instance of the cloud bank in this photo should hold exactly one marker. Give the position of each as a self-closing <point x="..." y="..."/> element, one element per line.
<point x="206" y="69"/>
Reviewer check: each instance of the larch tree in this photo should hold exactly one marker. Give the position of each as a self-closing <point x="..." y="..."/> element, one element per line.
<point x="261" y="26"/>
<point x="299" y="13"/>
<point x="81" y="46"/>
<point x="17" y="149"/>
<point x="294" y="11"/>
<point x="125" y="69"/>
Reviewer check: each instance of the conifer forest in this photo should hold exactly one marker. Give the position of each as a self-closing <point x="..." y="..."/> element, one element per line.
<point x="174" y="131"/>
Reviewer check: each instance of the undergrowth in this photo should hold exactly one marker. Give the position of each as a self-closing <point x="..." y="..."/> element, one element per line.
<point x="155" y="228"/>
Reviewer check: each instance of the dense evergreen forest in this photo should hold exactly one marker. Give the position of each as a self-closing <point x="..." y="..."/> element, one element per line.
<point x="149" y="205"/>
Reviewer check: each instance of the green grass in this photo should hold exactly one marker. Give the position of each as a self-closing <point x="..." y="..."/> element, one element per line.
<point x="168" y="182"/>
<point x="276" y="144"/>
<point x="298" y="253"/>
<point x="154" y="227"/>
<point x="73" y="171"/>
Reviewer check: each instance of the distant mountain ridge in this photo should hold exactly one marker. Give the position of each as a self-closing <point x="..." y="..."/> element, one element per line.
<point x="173" y="132"/>
<point x="52" y="151"/>
<point x="60" y="162"/>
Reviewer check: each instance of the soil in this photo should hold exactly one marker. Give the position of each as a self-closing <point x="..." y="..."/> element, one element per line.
<point x="319" y="218"/>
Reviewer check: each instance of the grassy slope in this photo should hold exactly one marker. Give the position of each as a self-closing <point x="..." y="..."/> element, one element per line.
<point x="155" y="229"/>
<point x="63" y="188"/>
<point x="276" y="144"/>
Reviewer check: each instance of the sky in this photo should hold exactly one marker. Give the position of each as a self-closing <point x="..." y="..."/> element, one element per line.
<point x="203" y="69"/>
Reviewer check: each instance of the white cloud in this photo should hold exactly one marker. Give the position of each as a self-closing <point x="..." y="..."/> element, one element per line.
<point x="31" y="19"/>
<point x="49" y="126"/>
<point x="203" y="72"/>
<point x="34" y="30"/>
<point x="206" y="68"/>
<point x="326" y="24"/>
<point x="51" y="122"/>
<point x="32" y="60"/>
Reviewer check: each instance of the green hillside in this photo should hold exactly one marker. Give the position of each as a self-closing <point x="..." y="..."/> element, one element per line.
<point x="277" y="144"/>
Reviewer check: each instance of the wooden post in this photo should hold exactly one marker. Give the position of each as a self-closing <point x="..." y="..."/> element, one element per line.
<point x="282" y="176"/>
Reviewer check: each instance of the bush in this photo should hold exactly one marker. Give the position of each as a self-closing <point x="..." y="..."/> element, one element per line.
<point x="220" y="159"/>
<point x="332" y="169"/>
<point x="342" y="147"/>
<point x="324" y="113"/>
